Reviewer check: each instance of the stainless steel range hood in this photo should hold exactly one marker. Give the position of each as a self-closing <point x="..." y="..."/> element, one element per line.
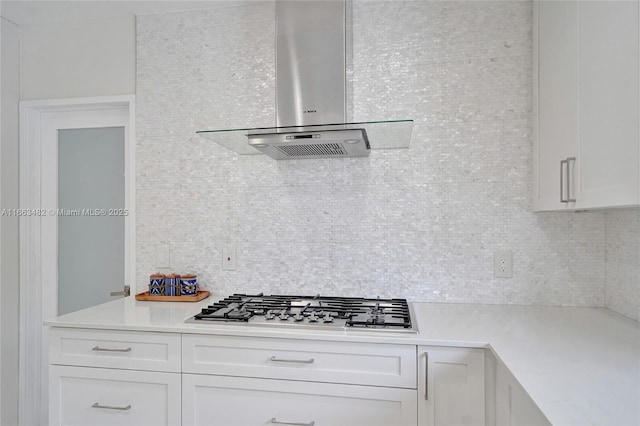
<point x="311" y="93"/>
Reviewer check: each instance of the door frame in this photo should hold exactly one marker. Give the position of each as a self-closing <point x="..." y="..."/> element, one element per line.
<point x="38" y="260"/>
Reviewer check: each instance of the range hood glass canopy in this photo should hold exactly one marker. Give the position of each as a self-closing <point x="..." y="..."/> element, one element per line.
<point x="390" y="134"/>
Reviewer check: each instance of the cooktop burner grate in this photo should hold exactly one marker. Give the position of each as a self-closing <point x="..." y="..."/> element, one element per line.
<point x="321" y="311"/>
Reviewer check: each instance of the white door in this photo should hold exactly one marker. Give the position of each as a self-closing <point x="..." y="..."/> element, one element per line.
<point x="83" y="183"/>
<point x="48" y="132"/>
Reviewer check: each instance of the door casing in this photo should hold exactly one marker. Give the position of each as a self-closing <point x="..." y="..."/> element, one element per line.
<point x="39" y="122"/>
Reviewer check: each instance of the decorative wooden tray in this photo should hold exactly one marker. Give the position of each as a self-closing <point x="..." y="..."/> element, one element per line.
<point x="202" y="294"/>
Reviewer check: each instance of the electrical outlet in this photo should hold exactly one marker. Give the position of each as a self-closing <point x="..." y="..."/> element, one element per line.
<point x="163" y="256"/>
<point x="229" y="259"/>
<point x="503" y="264"/>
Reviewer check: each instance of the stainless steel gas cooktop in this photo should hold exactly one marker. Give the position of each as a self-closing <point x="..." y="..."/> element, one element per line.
<point x="311" y="312"/>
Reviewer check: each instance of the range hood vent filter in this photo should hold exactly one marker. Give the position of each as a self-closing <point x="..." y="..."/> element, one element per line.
<point x="328" y="144"/>
<point x="316" y="150"/>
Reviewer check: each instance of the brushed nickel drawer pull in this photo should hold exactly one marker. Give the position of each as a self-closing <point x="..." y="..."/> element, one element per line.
<point x="98" y="348"/>
<point x="295" y="361"/>
<point x="276" y="422"/>
<point x="111" y="407"/>
<point x="426" y="376"/>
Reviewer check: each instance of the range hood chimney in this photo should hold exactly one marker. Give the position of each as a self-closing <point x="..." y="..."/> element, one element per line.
<point x="311" y="93"/>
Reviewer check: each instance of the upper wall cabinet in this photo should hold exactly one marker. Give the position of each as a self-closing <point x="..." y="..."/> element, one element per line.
<point x="586" y="105"/>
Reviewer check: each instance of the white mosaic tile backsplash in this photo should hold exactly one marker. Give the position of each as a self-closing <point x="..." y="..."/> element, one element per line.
<point x="421" y="223"/>
<point x="623" y="262"/>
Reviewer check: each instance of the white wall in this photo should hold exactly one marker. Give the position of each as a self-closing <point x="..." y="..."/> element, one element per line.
<point x="9" y="245"/>
<point x="421" y="223"/>
<point x="89" y="58"/>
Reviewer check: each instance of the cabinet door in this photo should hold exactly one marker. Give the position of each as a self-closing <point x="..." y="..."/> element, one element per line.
<point x="450" y="386"/>
<point x="514" y="407"/>
<point x="609" y="114"/>
<point x="241" y="401"/>
<point x="99" y="396"/>
<point x="556" y="94"/>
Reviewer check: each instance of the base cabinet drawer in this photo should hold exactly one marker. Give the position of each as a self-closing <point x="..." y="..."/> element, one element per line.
<point x="238" y="401"/>
<point x="317" y="361"/>
<point x="97" y="396"/>
<point x="115" y="349"/>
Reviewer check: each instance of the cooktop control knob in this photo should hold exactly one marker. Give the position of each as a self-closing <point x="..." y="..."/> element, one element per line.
<point x="327" y="318"/>
<point x="283" y="316"/>
<point x="313" y="317"/>
<point x="268" y="315"/>
<point x="298" y="317"/>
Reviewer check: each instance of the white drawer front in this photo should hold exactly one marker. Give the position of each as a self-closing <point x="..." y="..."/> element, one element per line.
<point x="237" y="401"/>
<point x="319" y="361"/>
<point x="94" y="396"/>
<point x="113" y="349"/>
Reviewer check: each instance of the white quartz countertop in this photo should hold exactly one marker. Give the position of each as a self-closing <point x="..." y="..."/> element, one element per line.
<point x="581" y="366"/>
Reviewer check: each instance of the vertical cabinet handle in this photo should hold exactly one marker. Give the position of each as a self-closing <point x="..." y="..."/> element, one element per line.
<point x="570" y="160"/>
<point x="566" y="171"/>
<point x="562" y="168"/>
<point x="426" y="376"/>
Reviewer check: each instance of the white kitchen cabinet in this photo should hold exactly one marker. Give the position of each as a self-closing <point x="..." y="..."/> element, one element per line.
<point x="451" y="386"/>
<point x="98" y="396"/>
<point x="514" y="407"/>
<point x="587" y="116"/>
<point x="231" y="401"/>
<point x="106" y="377"/>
